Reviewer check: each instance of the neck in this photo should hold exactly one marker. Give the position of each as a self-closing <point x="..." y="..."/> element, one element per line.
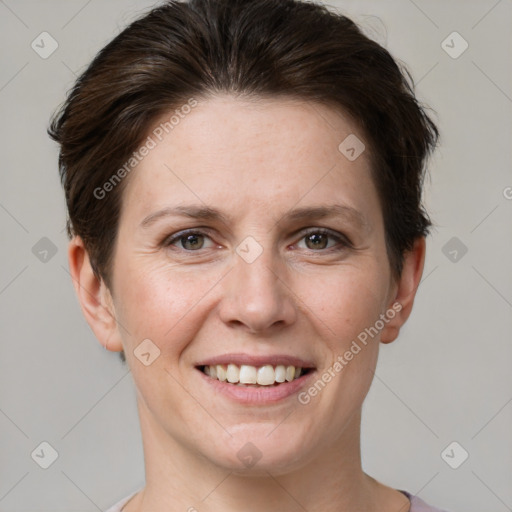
<point x="179" y="479"/>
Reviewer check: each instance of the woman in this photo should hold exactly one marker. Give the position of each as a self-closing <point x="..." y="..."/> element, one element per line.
<point x="243" y="181"/>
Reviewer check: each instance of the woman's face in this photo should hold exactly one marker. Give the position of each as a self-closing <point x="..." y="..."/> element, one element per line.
<point x="253" y="284"/>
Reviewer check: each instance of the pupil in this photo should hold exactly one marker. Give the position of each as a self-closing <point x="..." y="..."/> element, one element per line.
<point x="315" y="238"/>
<point x="190" y="239"/>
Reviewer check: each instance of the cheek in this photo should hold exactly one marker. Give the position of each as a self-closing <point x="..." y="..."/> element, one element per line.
<point x="348" y="308"/>
<point x="162" y="304"/>
<point x="349" y="300"/>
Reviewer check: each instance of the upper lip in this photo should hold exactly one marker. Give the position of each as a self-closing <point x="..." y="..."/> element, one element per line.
<point x="252" y="360"/>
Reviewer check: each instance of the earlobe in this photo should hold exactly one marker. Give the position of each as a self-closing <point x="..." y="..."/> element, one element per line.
<point x="94" y="297"/>
<point x="406" y="289"/>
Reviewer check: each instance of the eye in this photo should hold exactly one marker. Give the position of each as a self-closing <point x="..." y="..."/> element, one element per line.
<point x="189" y="240"/>
<point x="318" y="240"/>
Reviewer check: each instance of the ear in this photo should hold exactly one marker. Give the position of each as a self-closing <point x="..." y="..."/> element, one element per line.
<point x="405" y="289"/>
<point x="94" y="297"/>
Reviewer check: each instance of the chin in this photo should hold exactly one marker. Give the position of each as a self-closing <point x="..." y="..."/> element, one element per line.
<point x="259" y="449"/>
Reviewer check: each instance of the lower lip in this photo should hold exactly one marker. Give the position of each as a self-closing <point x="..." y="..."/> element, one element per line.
<point x="260" y="394"/>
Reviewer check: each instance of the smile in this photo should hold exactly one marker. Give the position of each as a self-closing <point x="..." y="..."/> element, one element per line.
<point x="255" y="379"/>
<point x="247" y="375"/>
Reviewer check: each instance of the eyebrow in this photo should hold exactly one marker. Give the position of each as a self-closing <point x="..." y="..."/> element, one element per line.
<point x="299" y="214"/>
<point x="191" y="211"/>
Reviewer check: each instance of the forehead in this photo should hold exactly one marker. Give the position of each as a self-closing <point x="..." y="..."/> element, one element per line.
<point x="253" y="155"/>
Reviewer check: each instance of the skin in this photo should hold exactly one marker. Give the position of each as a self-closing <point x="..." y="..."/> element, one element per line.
<point x="255" y="161"/>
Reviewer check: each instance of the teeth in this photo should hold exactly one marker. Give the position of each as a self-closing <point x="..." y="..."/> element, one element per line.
<point x="232" y="373"/>
<point x="280" y="373"/>
<point x="266" y="375"/>
<point x="290" y="373"/>
<point x="248" y="374"/>
<point x="221" y="372"/>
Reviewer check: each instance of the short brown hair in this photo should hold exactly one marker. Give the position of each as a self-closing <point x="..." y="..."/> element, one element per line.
<point x="255" y="48"/>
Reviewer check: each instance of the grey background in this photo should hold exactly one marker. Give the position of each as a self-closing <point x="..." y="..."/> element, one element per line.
<point x="446" y="379"/>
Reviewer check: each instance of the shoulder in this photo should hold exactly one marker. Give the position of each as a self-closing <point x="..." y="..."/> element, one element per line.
<point x="418" y="505"/>
<point x="120" y="504"/>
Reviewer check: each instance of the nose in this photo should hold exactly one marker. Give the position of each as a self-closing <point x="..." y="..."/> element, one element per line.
<point x="257" y="296"/>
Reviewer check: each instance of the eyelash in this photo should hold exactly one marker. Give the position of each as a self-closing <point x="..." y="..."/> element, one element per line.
<point x="342" y="241"/>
